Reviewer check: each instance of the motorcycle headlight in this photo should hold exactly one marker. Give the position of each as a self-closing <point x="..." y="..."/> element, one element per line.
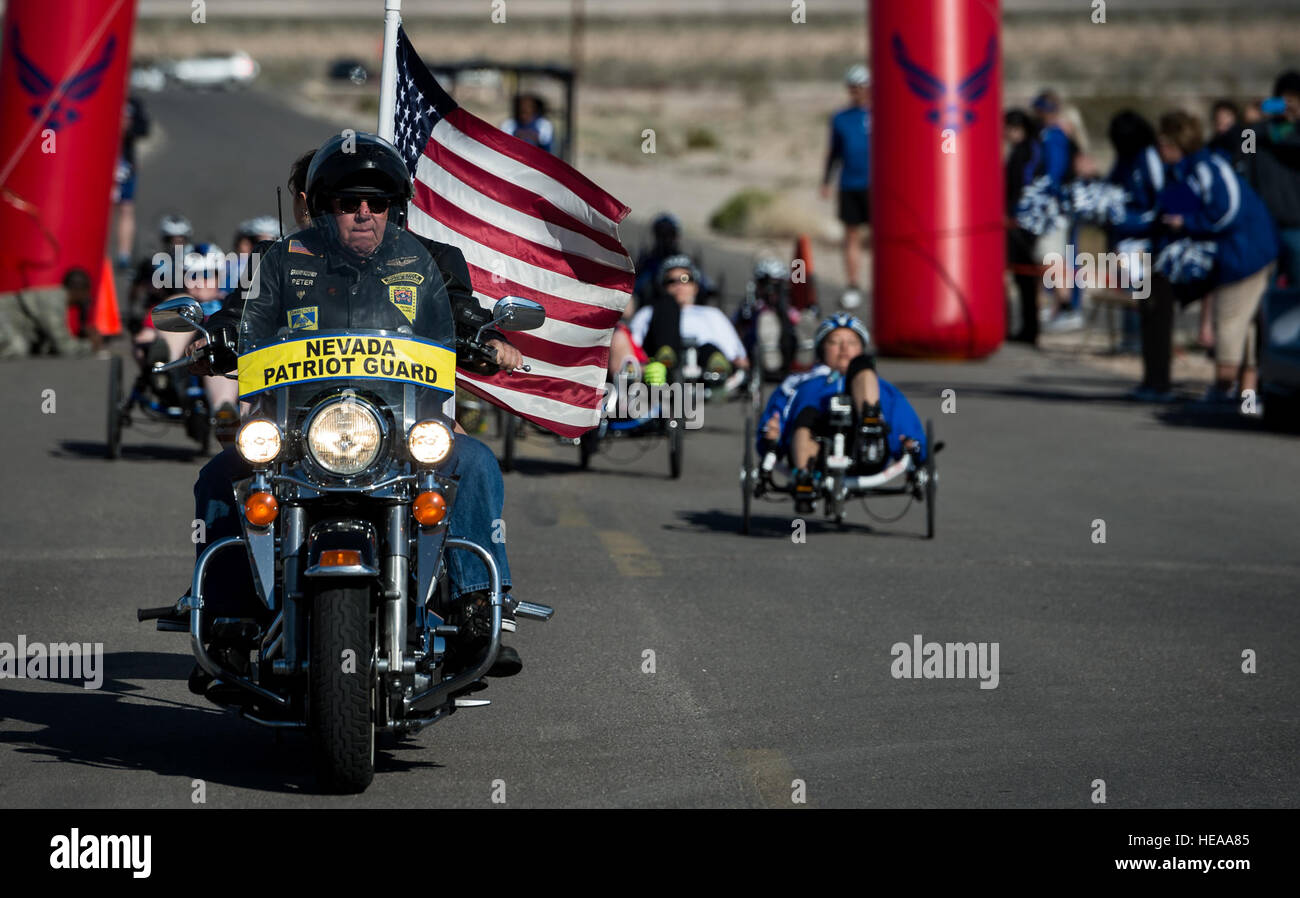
<point x="258" y="442"/>
<point x="345" y="437"/>
<point x="429" y="442"/>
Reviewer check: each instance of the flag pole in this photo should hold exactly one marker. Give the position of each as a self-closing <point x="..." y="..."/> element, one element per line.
<point x="388" y="74"/>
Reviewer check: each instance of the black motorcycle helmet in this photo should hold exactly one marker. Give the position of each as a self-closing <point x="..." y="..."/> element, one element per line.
<point x="359" y="164"/>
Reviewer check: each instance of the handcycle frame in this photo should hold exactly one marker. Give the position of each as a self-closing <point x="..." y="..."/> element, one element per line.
<point x="905" y="476"/>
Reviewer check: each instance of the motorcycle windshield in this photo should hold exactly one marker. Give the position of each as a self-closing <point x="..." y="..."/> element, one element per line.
<point x="390" y="369"/>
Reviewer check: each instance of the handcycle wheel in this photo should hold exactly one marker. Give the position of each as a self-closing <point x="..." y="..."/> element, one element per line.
<point x="114" y="429"/>
<point x="586" y="449"/>
<point x="747" y="473"/>
<point x="204" y="433"/>
<point x="931" y="486"/>
<point x="675" y="428"/>
<point x="509" y="432"/>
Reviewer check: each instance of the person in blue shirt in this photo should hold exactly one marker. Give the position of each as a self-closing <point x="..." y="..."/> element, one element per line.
<point x="1225" y="212"/>
<point x="772" y="421"/>
<point x="886" y="425"/>
<point x="850" y="149"/>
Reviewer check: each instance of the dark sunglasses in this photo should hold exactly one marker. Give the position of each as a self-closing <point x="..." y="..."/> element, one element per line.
<point x="680" y="279"/>
<point x="350" y="204"/>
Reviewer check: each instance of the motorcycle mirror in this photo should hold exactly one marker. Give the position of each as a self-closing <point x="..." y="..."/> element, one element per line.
<point x="514" y="313"/>
<point x="180" y="314"/>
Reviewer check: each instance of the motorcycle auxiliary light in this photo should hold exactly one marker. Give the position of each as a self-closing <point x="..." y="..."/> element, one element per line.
<point x="429" y="508"/>
<point x="340" y="558"/>
<point x="430" y="442"/>
<point x="260" y="509"/>
<point x="345" y="437"/>
<point x="259" y="442"/>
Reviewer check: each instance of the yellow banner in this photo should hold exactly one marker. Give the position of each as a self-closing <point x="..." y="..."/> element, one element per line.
<point x="301" y="360"/>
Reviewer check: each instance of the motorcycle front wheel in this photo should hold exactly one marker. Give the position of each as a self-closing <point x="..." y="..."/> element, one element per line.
<point x="341" y="684"/>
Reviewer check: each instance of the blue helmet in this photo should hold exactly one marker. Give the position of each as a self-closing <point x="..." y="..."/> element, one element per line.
<point x="836" y="321"/>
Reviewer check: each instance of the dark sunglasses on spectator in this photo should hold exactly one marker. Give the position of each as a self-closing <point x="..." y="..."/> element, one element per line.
<point x="680" y="279"/>
<point x="350" y="204"/>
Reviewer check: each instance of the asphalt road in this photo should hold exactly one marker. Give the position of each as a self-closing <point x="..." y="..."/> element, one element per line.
<point x="1119" y="661"/>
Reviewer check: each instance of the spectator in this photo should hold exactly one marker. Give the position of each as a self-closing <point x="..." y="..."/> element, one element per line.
<point x="1273" y="170"/>
<point x="850" y="149"/>
<point x="34" y="321"/>
<point x="1140" y="173"/>
<point x="1216" y="206"/>
<point x="135" y="124"/>
<point x="1058" y="155"/>
<point x="1227" y="129"/>
<point x="1020" y="131"/>
<point x="530" y="123"/>
<point x="80" y="301"/>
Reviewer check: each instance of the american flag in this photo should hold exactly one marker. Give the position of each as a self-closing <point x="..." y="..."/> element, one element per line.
<point x="529" y="225"/>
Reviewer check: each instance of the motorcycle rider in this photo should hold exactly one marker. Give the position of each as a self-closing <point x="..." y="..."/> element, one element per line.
<point x="886" y="425"/>
<point x="356" y="191"/>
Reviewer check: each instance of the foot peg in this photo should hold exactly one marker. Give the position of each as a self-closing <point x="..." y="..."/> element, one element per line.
<point x="472" y="702"/>
<point x="534" y="611"/>
<point x="170" y="618"/>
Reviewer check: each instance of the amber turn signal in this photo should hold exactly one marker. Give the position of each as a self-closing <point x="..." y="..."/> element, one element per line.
<point x="430" y="508"/>
<point x="261" y="509"/>
<point x="340" y="558"/>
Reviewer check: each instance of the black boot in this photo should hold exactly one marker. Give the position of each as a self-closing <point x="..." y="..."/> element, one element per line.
<point x="873" y="443"/>
<point x="805" y="491"/>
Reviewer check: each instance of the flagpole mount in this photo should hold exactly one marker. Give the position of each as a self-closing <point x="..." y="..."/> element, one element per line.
<point x="388" y="74"/>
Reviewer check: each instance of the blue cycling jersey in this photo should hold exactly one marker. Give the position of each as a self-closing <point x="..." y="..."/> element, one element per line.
<point x="894" y="408"/>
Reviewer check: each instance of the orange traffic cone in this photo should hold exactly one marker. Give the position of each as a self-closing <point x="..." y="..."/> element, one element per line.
<point x="104" y="314"/>
<point x="803" y="291"/>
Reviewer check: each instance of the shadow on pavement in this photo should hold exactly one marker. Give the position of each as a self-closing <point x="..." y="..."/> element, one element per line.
<point x="80" y="449"/>
<point x="773" y="526"/>
<point x="98" y="728"/>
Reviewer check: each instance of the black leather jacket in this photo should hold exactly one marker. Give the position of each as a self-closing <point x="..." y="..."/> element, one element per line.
<point x="466" y="312"/>
<point x="309" y="281"/>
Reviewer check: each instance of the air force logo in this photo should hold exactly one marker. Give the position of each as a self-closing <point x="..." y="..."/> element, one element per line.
<point x="951" y="106"/>
<point x="404" y="299"/>
<point x="303" y="319"/>
<point x="65" y="98"/>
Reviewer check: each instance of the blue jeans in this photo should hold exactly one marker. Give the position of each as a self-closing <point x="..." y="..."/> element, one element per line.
<point x="477" y="516"/>
<point x="480" y="501"/>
